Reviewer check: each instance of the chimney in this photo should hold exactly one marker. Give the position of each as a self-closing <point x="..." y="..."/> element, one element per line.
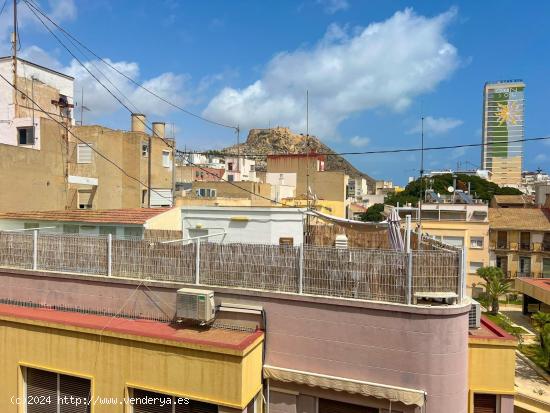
<point x="159" y="129"/>
<point x="139" y="122"/>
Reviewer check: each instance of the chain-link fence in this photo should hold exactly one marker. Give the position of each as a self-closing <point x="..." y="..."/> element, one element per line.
<point x="367" y="274"/>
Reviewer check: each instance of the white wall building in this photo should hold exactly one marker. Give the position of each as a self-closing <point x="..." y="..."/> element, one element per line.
<point x="240" y="169"/>
<point x="244" y="224"/>
<point x="283" y="185"/>
<point x="35" y="76"/>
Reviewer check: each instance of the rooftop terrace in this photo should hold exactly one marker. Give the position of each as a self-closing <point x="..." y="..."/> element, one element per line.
<point x="365" y="274"/>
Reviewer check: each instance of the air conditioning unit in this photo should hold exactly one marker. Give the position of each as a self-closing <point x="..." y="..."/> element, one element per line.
<point x="195" y="304"/>
<point x="475" y="315"/>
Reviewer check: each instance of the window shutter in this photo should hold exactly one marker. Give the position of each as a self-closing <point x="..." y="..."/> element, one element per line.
<point x="485" y="403"/>
<point x="77" y="387"/>
<point x="83" y="153"/>
<point x="332" y="406"/>
<point x="41" y="391"/>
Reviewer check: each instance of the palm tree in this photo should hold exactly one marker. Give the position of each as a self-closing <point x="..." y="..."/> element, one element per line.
<point x="541" y="319"/>
<point x="495" y="285"/>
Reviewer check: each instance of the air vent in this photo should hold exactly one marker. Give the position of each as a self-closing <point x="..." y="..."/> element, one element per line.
<point x="195" y="304"/>
<point x="475" y="315"/>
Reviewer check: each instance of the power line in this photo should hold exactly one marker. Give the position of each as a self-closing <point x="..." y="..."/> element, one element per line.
<point x="95" y="77"/>
<point x="383" y="151"/>
<point x="213" y="122"/>
<point x="80" y="140"/>
<point x="122" y="103"/>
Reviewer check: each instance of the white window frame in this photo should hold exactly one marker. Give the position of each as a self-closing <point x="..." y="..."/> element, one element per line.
<point x="166" y="159"/>
<point x="144" y="149"/>
<point x="471" y="268"/>
<point x="84" y="146"/>
<point x="474" y="241"/>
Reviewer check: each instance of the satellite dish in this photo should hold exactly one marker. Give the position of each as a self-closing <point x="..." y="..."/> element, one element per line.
<point x="450" y="189"/>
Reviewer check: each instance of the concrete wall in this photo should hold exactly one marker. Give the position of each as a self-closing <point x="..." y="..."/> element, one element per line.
<point x="255" y="191"/>
<point x="116" y="364"/>
<point x="423" y="348"/>
<point x="34" y="180"/>
<point x="250" y="225"/>
<point x="115" y="189"/>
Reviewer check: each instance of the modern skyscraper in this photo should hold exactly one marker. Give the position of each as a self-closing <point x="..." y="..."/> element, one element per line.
<point x="503" y="125"/>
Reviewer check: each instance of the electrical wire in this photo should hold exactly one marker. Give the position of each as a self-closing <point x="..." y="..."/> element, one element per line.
<point x="383" y="151"/>
<point x="3" y="7"/>
<point x="175" y="106"/>
<point x="82" y="141"/>
<point x="129" y="110"/>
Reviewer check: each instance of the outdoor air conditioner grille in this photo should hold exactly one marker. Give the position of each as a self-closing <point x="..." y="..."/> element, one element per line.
<point x="475" y="315"/>
<point x="187" y="306"/>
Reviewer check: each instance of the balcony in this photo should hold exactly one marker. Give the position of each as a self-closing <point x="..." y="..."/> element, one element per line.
<point x="359" y="273"/>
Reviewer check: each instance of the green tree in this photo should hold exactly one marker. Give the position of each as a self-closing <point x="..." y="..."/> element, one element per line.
<point x="495" y="285"/>
<point x="540" y="321"/>
<point x="373" y="214"/>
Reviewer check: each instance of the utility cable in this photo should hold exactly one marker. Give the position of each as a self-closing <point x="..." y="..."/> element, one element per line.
<point x="175" y="106"/>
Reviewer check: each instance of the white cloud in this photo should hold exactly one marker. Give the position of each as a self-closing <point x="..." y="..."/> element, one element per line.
<point x="333" y="6"/>
<point x="541" y="157"/>
<point x="436" y="126"/>
<point x="168" y="85"/>
<point x="58" y="10"/>
<point x="359" y="141"/>
<point x="386" y="64"/>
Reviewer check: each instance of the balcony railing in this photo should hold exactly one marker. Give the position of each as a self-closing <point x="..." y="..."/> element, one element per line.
<point x="368" y="274"/>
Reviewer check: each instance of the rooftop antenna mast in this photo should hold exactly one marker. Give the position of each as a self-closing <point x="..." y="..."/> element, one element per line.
<point x="421" y="180"/>
<point x="307" y="165"/>
<point x="14" y="55"/>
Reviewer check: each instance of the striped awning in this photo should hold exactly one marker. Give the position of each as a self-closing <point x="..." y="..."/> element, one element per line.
<point x="380" y="391"/>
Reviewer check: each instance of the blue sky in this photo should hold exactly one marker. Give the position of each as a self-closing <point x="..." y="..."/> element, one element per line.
<point x="371" y="67"/>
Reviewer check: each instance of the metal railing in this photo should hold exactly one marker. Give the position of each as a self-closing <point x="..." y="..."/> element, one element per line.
<point x="368" y="274"/>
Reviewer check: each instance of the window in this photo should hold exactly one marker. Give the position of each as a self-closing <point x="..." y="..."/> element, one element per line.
<point x="84" y="199"/>
<point x="546" y="241"/>
<point x="206" y="192"/>
<point x="166" y="159"/>
<point x="525" y="241"/>
<point x="454" y="241"/>
<point x="144" y="198"/>
<point x="25" y="135"/>
<point x="70" y="229"/>
<point x="333" y="406"/>
<point x="474" y="266"/>
<point x="502" y="263"/>
<point x="144" y="401"/>
<point x="145" y="149"/>
<point x="502" y="239"/>
<point x="252" y="168"/>
<point x="546" y="267"/>
<point x="231" y="178"/>
<point x="476" y="242"/>
<point x="230" y="166"/>
<point x="83" y="153"/>
<point x="47" y="392"/>
<point x="485" y="403"/>
<point x="524" y="266"/>
<point x="107" y="230"/>
<point x="135" y="232"/>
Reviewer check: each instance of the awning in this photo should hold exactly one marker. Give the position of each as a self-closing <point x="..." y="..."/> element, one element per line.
<point x="380" y="391"/>
<point x="339" y="220"/>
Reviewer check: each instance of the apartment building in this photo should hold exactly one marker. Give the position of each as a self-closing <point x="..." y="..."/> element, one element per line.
<point x="244" y="193"/>
<point x="520" y="241"/>
<point x="323" y="333"/>
<point x="239" y="168"/>
<point x="56" y="170"/>
<point x="188" y="173"/>
<point x="457" y="220"/>
<point x="313" y="181"/>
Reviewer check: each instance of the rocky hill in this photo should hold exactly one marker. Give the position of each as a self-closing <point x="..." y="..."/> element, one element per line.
<point x="283" y="140"/>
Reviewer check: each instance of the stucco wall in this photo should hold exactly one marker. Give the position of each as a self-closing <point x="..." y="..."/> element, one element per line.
<point x="423" y="348"/>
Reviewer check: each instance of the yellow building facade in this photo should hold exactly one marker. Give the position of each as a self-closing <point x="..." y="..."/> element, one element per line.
<point x="491" y="367"/>
<point x="115" y="359"/>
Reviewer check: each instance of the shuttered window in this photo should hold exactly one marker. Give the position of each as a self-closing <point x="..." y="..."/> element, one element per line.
<point x="49" y="392"/>
<point x="84" y="153"/>
<point x="485" y="403"/>
<point x="150" y="402"/>
<point x="331" y="406"/>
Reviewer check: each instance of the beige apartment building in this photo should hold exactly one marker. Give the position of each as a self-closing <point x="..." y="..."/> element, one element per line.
<point x="45" y="168"/>
<point x="520" y="241"/>
<point x="464" y="225"/>
<point x="241" y="193"/>
<point x="310" y="171"/>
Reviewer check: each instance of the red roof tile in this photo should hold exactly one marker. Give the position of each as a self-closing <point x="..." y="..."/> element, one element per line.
<point x="213" y="337"/>
<point x="112" y="216"/>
